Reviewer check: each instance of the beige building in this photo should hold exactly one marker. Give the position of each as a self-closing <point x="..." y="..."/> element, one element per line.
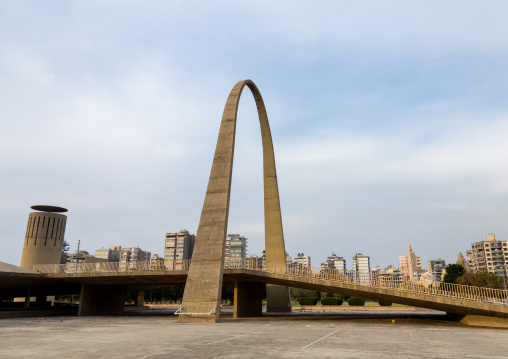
<point x="334" y="262"/>
<point x="437" y="268"/>
<point x="77" y="261"/>
<point x="156" y="262"/>
<point x="490" y="255"/>
<point x="178" y="247"/>
<point x="302" y="259"/>
<point x="111" y="254"/>
<point x="133" y="257"/>
<point x="235" y="251"/>
<point x="410" y="263"/>
<point x="361" y="263"/>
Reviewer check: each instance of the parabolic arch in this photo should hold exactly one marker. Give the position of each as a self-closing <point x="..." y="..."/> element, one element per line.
<point x="202" y="296"/>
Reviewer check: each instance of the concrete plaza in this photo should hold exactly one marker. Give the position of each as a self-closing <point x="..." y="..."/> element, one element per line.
<point x="155" y="334"/>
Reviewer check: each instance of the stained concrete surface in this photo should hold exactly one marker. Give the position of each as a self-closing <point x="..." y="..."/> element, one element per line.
<point x="157" y="334"/>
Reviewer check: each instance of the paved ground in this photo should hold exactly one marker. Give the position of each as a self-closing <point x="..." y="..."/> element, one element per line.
<point x="155" y="334"/>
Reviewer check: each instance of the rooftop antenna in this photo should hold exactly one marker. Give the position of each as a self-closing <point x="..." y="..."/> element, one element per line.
<point x="79" y="242"/>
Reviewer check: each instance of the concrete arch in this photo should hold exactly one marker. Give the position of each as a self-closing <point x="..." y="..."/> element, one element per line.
<point x="203" y="288"/>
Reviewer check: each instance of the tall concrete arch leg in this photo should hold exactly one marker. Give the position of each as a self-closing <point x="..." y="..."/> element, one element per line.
<point x="277" y="299"/>
<point x="248" y="300"/>
<point x="101" y="300"/>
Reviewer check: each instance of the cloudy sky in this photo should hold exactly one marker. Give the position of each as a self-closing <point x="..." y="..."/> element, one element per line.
<point x="389" y="121"/>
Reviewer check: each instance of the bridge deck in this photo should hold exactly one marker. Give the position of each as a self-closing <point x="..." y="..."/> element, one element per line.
<point x="433" y="295"/>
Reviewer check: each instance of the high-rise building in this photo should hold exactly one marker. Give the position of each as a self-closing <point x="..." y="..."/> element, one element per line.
<point x="410" y="263"/>
<point x="334" y="262"/>
<point x="235" y="251"/>
<point x="302" y="259"/>
<point x="361" y="265"/>
<point x="178" y="248"/>
<point x="490" y="255"/>
<point x="436" y="267"/>
<point x="133" y="257"/>
<point x="111" y="254"/>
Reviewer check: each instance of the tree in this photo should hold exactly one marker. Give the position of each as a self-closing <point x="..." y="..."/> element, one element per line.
<point x="228" y="292"/>
<point x="453" y="272"/>
<point x="482" y="279"/>
<point x="298" y="292"/>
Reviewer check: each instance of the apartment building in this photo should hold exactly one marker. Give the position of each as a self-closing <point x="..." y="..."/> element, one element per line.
<point x="178" y="248"/>
<point x="156" y="262"/>
<point x="334" y="262"/>
<point x="133" y="257"/>
<point x="436" y="268"/>
<point x="302" y="259"/>
<point x="361" y="263"/>
<point x="490" y="255"/>
<point x="235" y="251"/>
<point x="111" y="254"/>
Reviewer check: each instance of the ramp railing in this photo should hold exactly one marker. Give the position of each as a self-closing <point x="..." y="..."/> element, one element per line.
<point x="377" y="280"/>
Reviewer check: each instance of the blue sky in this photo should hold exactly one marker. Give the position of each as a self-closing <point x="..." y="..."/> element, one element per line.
<point x="389" y="121"/>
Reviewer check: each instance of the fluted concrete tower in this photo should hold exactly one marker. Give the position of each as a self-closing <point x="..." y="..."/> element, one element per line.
<point x="44" y="236"/>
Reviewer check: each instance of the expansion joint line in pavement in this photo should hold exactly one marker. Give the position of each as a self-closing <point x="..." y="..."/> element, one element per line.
<point x="239" y="336"/>
<point x="314" y="342"/>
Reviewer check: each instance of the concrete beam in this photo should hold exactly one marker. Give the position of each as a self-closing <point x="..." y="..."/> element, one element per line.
<point x="101" y="300"/>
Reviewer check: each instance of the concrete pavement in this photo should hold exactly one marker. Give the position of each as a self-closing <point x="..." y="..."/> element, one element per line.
<point x="154" y="334"/>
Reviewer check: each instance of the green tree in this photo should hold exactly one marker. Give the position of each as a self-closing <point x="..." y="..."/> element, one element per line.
<point x="453" y="272"/>
<point x="482" y="279"/>
<point x="228" y="292"/>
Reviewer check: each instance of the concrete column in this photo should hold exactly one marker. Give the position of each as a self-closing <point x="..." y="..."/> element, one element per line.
<point x="27" y="298"/>
<point x="101" y="300"/>
<point x="248" y="300"/>
<point x="140" y="298"/>
<point x="277" y="299"/>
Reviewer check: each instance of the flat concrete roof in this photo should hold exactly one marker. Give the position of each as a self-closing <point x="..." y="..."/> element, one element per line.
<point x="156" y="334"/>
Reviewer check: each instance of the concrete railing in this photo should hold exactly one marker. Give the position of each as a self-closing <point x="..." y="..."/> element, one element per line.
<point x="462" y="292"/>
<point x="458" y="291"/>
<point x="81" y="267"/>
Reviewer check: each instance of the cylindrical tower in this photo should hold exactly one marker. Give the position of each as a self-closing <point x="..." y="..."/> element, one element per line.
<point x="44" y="236"/>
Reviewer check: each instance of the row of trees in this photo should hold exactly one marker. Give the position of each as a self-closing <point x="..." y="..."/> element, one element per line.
<point x="455" y="273"/>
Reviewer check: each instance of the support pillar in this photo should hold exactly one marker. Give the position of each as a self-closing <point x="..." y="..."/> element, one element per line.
<point x="248" y="300"/>
<point x="27" y="299"/>
<point x="277" y="299"/>
<point x="140" y="298"/>
<point x="101" y="300"/>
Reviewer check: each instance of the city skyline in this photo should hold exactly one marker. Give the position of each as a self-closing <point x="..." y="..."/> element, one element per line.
<point x="388" y="123"/>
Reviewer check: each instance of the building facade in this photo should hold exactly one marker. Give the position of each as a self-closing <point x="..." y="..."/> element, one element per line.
<point x="111" y="254"/>
<point x="178" y="248"/>
<point x="361" y="267"/>
<point x="490" y="255"/>
<point x="156" y="262"/>
<point x="411" y="263"/>
<point x="133" y="258"/>
<point x="302" y="259"/>
<point x="235" y="251"/>
<point x="334" y="262"/>
<point x="436" y="268"/>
